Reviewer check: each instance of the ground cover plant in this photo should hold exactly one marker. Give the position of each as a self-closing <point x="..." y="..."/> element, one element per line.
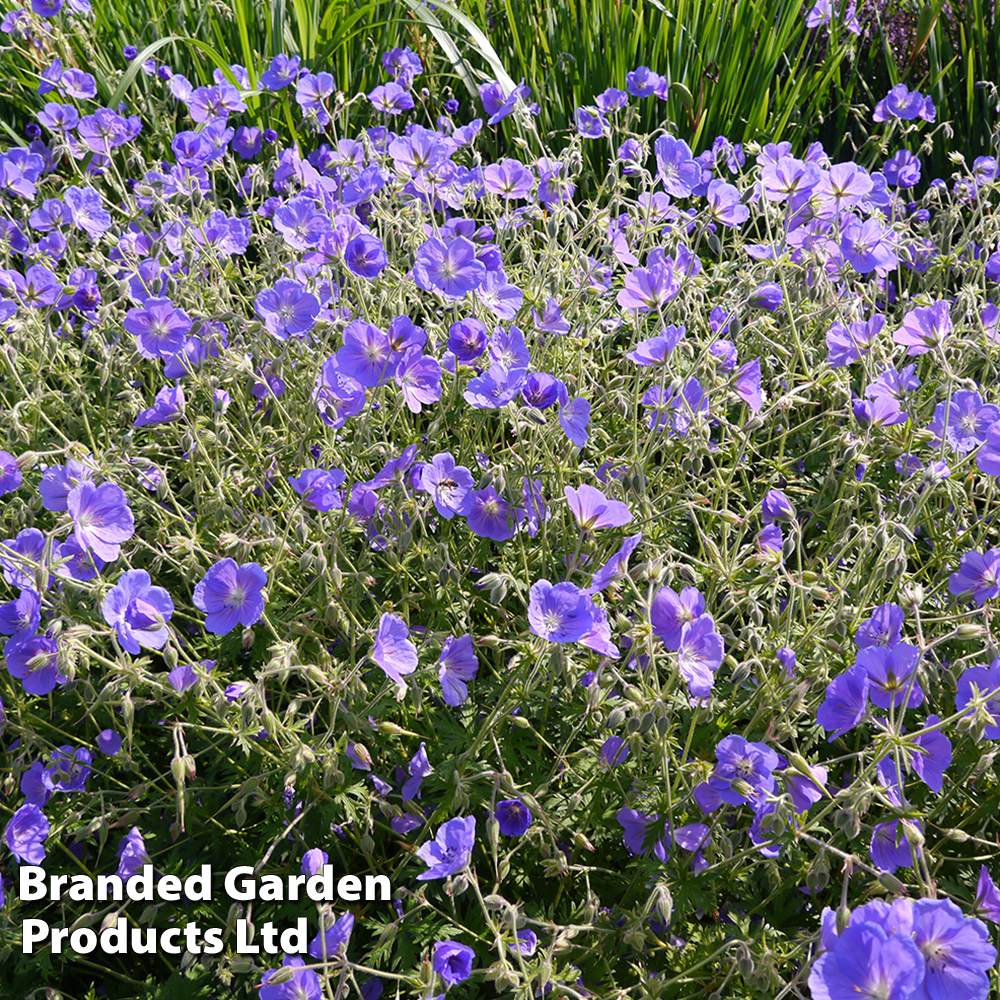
<point x="615" y="575"/>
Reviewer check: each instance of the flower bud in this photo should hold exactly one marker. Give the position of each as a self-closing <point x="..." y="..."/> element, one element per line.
<point x="892" y="884"/>
<point x="616" y="718"/>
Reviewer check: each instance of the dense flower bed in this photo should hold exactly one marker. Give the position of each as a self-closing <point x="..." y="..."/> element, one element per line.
<point x="616" y="577"/>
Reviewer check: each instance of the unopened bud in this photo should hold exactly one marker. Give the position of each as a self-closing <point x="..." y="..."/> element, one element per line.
<point x="913" y="833"/>
<point x="616" y="718"/>
<point x="891" y="883"/>
<point x="281" y="975"/>
<point x="969" y="630"/>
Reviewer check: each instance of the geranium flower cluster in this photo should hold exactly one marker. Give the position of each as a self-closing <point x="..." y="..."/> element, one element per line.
<point x="390" y="402"/>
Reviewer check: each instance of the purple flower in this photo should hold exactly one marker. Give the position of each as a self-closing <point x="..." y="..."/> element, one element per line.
<point x="102" y="518"/>
<point x="591" y="123"/>
<point x="287" y="310"/>
<point x="452" y="961"/>
<point x="749" y="763"/>
<point x="319" y="488"/>
<point x="535" y="509"/>
<point x="905" y="104"/>
<point x="21" y="556"/>
<point x="957" y="949"/>
<point x="848" y="344"/>
<point x="786" y="657"/>
<point x="676" y="407"/>
<point x="592" y="509"/>
<point x="27" y="828"/>
<point x="138" y="611"/>
<point x="184" y="676"/>
<point x="634" y="825"/>
<point x="616" y="567"/>
<point x="883" y="628"/>
<point x="303" y="983"/>
<point x="247" y="142"/>
<point x="366" y="354"/>
<point x="69" y="770"/>
<point x="457" y="665"/>
<point x="770" y="542"/>
<point x="724" y="204"/>
<point x="313" y="861"/>
<point x="490" y="516"/>
<point x="845" y="703"/>
<point x="404" y="64"/>
<point x="551" y="319"/>
<point x="507" y="105"/>
<point x="419" y="768"/>
<point x="449" y="268"/>
<point x="987" y="904"/>
<point x="822" y="11"/>
<point x="75" y="562"/>
<point x="647" y="288"/>
<point x="656" y="350"/>
<point x="574" y="418"/>
<point x="924" y="328"/>
<point x="670" y="612"/>
<point x="902" y="170"/>
<point x="889" y="673"/>
<point x="560" y="612"/>
<point x="642" y="82"/>
<point x="450" y="850"/>
<point x="33" y="660"/>
<point x="786" y="176"/>
<point x="132" y="854"/>
<point x="87" y="210"/>
<point x="450" y="485"/>
<point x="10" y="473"/>
<point x="335" y="938"/>
<point x="159" y="327"/>
<point x="391" y="99"/>
<point x="230" y="594"/>
<point x="419" y="378"/>
<point x="109" y="742"/>
<point x="510" y="179"/>
<point x="526" y="944"/>
<point x="168" y="405"/>
<point x="767" y="296"/>
<point x="700" y="655"/>
<point x="541" y="390"/>
<point x="889" y="847"/>
<point x="513" y="816"/>
<point x="776" y="507"/>
<point x="982" y="681"/>
<point x="393" y="651"/>
<point x="467" y="340"/>
<point x="282" y="71"/>
<point x="805" y="791"/>
<point x="964" y="420"/>
<point x="746" y="385"/>
<point x="365" y="256"/>
<point x="868" y="245"/>
<point x="868" y="962"/>
<point x="614" y="751"/>
<point x="934" y="756"/>
<point x="978" y="576"/>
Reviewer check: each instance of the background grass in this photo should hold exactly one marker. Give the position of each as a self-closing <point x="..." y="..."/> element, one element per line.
<point x="748" y="69"/>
